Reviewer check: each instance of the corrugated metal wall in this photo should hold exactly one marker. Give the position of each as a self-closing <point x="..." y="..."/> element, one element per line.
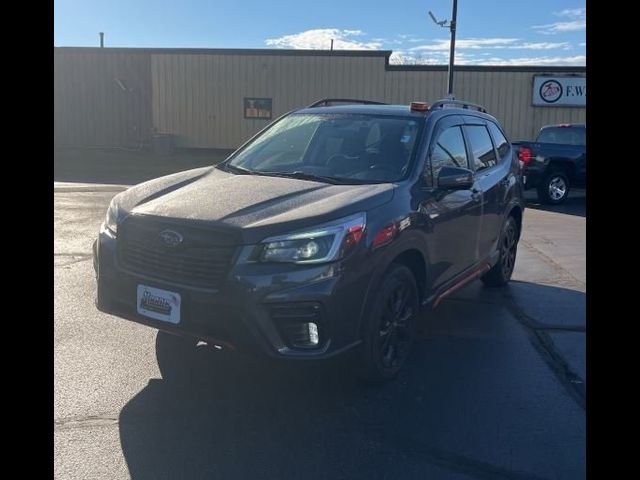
<point x="506" y="94"/>
<point x="198" y="95"/>
<point x="101" y="100"/>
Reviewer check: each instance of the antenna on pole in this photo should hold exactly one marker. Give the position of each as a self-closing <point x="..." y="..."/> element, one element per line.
<point x="332" y="44"/>
<point x="443" y="23"/>
<point x="101" y="39"/>
<point x="452" y="27"/>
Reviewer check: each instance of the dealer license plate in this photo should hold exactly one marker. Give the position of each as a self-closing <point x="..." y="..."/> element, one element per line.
<point x="159" y="304"/>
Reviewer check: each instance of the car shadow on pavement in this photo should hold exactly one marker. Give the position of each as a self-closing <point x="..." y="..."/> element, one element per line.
<point x="475" y="399"/>
<point x="574" y="205"/>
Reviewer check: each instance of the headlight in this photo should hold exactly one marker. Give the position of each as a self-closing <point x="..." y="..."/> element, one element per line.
<point x="321" y="244"/>
<point x="111" y="220"/>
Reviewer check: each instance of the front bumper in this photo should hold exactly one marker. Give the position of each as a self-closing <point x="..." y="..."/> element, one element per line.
<point x="253" y="309"/>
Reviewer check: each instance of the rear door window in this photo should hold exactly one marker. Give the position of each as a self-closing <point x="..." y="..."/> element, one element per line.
<point x="502" y="144"/>
<point x="449" y="150"/>
<point x="484" y="155"/>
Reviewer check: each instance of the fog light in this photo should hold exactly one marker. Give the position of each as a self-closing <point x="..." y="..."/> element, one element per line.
<point x="313" y="333"/>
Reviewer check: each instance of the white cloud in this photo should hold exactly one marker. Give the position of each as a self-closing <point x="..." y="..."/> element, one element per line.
<point x="482" y="58"/>
<point x="469" y="51"/>
<point x="320" y="39"/>
<point x="401" y="58"/>
<point x="577" y="21"/>
<point x="577" y="60"/>
<point x="560" y="27"/>
<point x="572" y="12"/>
<point x="542" y="46"/>
<point x="490" y="43"/>
<point x="469" y="43"/>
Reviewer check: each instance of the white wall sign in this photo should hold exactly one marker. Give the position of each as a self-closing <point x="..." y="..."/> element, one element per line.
<point x="559" y="91"/>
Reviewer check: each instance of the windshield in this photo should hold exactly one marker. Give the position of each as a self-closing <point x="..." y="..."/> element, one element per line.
<point x="349" y="147"/>
<point x="563" y="135"/>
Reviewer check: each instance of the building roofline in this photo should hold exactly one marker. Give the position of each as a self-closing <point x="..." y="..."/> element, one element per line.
<point x="488" y="68"/>
<point x="328" y="53"/>
<point x="230" y="51"/>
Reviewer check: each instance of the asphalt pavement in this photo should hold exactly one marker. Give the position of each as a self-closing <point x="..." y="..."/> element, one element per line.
<point x="495" y="388"/>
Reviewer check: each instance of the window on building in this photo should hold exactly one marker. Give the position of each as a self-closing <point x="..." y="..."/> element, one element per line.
<point x="484" y="155"/>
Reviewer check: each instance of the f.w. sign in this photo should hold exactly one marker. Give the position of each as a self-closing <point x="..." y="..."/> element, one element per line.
<point x="563" y="91"/>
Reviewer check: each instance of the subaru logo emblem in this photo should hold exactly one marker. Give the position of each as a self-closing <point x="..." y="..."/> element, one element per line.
<point x="171" y="238"/>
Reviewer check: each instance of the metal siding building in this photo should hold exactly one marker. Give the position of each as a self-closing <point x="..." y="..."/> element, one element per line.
<point x="101" y="100"/>
<point x="122" y="96"/>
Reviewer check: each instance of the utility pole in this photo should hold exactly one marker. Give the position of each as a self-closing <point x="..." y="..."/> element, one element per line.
<point x="101" y="39"/>
<point x="452" y="51"/>
<point x="452" y="48"/>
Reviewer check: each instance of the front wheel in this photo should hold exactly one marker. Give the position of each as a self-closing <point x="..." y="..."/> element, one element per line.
<point x="554" y="188"/>
<point x="390" y="328"/>
<point x="501" y="272"/>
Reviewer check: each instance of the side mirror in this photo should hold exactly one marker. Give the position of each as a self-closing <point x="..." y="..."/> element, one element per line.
<point x="455" y="178"/>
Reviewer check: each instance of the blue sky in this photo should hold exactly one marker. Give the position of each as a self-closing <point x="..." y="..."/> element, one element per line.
<point x="491" y="32"/>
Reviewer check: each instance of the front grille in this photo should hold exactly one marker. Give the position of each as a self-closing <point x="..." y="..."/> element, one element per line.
<point x="201" y="260"/>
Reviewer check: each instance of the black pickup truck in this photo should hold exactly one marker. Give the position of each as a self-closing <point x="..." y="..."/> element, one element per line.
<point x="555" y="162"/>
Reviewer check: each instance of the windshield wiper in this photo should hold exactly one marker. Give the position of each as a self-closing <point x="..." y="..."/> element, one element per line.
<point x="316" y="178"/>
<point x="240" y="170"/>
<point x="308" y="176"/>
<point x="297" y="174"/>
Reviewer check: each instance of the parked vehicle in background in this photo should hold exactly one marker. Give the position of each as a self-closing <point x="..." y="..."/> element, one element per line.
<point x="555" y="162"/>
<point x="326" y="232"/>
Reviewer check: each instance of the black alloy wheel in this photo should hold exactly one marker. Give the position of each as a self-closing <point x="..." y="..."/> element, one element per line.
<point x="391" y="325"/>
<point x="508" y="249"/>
<point x="501" y="272"/>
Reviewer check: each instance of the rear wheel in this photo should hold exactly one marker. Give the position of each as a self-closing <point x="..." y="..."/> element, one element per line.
<point x="554" y="188"/>
<point x="501" y="272"/>
<point x="390" y="328"/>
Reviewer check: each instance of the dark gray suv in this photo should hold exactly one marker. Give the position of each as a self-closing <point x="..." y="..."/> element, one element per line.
<point x="326" y="232"/>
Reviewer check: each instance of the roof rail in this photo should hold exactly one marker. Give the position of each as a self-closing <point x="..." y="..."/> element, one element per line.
<point x="326" y="101"/>
<point x="457" y="103"/>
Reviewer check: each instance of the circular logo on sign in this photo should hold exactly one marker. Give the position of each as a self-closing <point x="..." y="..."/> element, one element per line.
<point x="550" y="91"/>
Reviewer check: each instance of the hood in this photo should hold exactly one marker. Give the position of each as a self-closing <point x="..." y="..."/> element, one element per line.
<point x="250" y="206"/>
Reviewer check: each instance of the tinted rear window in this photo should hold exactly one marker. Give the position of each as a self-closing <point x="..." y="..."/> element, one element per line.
<point x="502" y="145"/>
<point x="483" y="153"/>
<point x="449" y="151"/>
<point x="563" y="135"/>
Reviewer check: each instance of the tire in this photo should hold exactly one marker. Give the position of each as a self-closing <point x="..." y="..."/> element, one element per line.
<point x="176" y="356"/>
<point x="501" y="272"/>
<point x="554" y="188"/>
<point x="393" y="310"/>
